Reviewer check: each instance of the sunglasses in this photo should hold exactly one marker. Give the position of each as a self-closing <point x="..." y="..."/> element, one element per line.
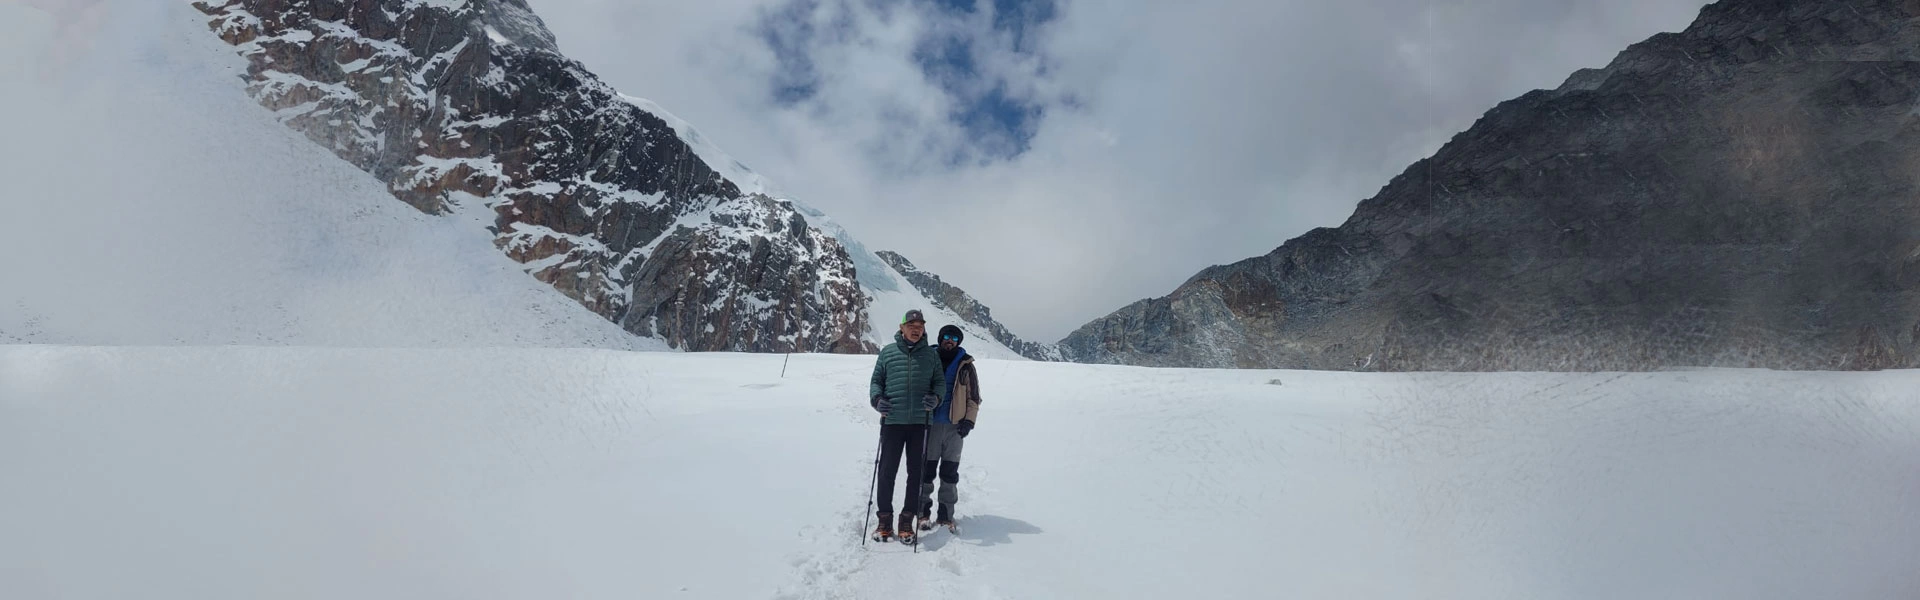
<point x="949" y="338"/>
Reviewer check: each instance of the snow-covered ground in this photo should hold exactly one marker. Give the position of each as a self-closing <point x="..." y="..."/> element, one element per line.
<point x="501" y="473"/>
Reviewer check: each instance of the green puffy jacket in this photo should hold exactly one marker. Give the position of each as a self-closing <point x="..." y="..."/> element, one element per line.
<point x="905" y="373"/>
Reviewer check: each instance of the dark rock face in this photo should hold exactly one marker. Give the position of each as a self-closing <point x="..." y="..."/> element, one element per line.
<point x="948" y="297"/>
<point x="1745" y="193"/>
<point x="467" y="105"/>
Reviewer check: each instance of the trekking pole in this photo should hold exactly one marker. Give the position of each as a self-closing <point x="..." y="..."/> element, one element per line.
<point x="925" y="434"/>
<point x="872" y="486"/>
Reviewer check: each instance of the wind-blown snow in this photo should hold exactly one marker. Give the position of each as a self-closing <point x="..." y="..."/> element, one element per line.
<point x="150" y="201"/>
<point x="331" y="473"/>
<point x="742" y="177"/>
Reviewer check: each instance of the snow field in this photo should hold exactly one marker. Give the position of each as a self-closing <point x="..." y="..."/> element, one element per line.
<point x="496" y="473"/>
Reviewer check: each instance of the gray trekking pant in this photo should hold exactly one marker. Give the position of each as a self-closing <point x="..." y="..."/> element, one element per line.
<point x="943" y="460"/>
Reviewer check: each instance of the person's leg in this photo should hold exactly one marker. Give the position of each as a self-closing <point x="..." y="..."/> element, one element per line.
<point x="915" y="440"/>
<point x="937" y="437"/>
<point x="928" y="471"/>
<point x="950" y="476"/>
<point x="892" y="441"/>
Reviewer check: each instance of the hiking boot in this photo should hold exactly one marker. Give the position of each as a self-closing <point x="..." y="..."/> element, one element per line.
<point x="946" y="515"/>
<point x="925" y="525"/>
<point x="905" y="532"/>
<point x="885" y="531"/>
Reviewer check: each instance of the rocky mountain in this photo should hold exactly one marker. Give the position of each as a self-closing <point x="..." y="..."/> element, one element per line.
<point x="1743" y="193"/>
<point x="975" y="318"/>
<point x="468" y="107"/>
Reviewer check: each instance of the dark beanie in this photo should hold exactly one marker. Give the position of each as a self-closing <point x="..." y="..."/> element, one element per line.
<point x="946" y="330"/>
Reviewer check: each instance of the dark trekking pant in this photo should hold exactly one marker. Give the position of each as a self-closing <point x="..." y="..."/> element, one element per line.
<point x="894" y="439"/>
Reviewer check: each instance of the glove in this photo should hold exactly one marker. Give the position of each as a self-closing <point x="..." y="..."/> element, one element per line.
<point x="930" y="402"/>
<point x="966" y="425"/>
<point x="881" y="403"/>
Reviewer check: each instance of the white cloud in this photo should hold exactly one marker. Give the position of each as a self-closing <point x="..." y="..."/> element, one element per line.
<point x="1176" y="135"/>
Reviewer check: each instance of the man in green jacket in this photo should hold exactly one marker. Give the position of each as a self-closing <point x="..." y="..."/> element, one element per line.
<point x="907" y="384"/>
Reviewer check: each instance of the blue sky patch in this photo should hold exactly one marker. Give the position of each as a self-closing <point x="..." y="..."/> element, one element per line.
<point x="999" y="124"/>
<point x="789" y="32"/>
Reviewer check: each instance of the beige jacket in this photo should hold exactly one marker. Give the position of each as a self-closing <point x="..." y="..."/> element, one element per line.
<point x="966" y="386"/>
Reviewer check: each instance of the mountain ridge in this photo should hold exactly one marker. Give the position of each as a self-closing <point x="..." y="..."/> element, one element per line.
<point x="1729" y="195"/>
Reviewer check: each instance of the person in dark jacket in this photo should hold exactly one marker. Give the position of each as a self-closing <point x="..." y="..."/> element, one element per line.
<point x="907" y="385"/>
<point x="952" y="421"/>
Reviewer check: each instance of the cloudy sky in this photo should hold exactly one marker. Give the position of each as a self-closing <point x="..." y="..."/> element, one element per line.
<point x="1060" y="159"/>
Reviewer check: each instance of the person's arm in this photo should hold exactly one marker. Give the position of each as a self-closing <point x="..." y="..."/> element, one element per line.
<point x="973" y="393"/>
<point x="877" y="390"/>
<point x="972" y="412"/>
<point x="971" y="415"/>
<point x="936" y="387"/>
<point x="939" y="388"/>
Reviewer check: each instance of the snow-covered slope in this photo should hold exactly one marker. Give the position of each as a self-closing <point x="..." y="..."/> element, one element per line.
<point x="892" y="294"/>
<point x="330" y="473"/>
<point x="977" y="319"/>
<point x="150" y="201"/>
